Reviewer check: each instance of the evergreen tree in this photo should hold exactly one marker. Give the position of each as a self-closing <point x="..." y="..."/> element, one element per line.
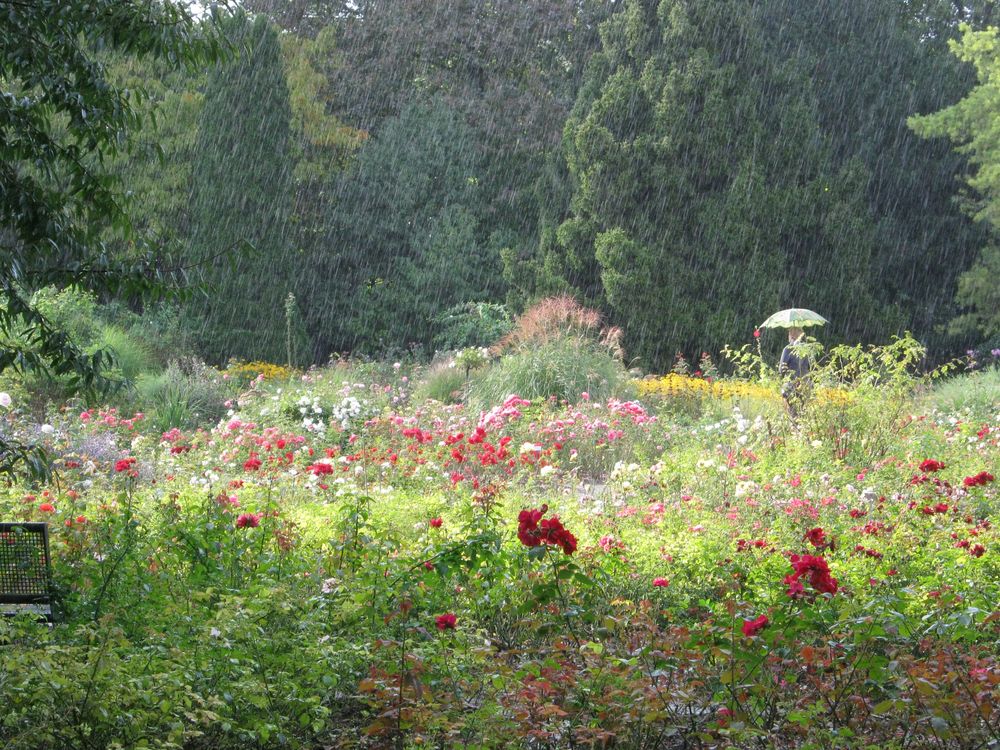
<point x="973" y="123"/>
<point x="873" y="66"/>
<point x="405" y="241"/>
<point x="704" y="193"/>
<point x="510" y="69"/>
<point x="240" y="195"/>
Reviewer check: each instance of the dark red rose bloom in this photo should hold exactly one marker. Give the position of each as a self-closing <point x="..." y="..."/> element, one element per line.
<point x="249" y="520"/>
<point x="752" y="627"/>
<point x="533" y="531"/>
<point x="814" y="568"/>
<point x="983" y="477"/>
<point x="446" y="621"/>
<point x="555" y="534"/>
<point x="930" y="465"/>
<point x="527" y="526"/>
<point x="435" y="523"/>
<point x="817" y="538"/>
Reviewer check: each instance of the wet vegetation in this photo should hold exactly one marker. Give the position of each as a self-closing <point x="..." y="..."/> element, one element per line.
<point x="389" y="375"/>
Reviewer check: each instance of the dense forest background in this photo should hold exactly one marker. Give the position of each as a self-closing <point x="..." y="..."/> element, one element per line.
<point x="685" y="166"/>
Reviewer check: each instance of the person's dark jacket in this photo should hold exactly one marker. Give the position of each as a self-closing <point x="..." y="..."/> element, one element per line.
<point x="791" y="363"/>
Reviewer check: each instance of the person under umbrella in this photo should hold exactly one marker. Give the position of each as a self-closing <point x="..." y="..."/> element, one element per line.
<point x="794" y="364"/>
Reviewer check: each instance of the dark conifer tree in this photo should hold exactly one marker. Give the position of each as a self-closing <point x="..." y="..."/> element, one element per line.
<point x="240" y="195"/>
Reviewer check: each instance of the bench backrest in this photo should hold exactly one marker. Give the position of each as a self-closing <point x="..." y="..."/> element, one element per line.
<point x="24" y="568"/>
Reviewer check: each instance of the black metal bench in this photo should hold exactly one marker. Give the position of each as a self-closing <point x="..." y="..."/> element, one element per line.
<point x="25" y="578"/>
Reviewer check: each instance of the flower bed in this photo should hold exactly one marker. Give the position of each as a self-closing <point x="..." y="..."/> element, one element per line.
<point x="538" y="574"/>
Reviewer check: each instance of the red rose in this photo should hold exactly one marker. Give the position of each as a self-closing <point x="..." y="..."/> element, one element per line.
<point x="446" y="621"/>
<point x="249" y="520"/>
<point x="983" y="477"/>
<point x="435" y="523"/>
<point x="752" y="627"/>
<point x="930" y="465"/>
<point x="817" y="571"/>
<point x="817" y="538"/>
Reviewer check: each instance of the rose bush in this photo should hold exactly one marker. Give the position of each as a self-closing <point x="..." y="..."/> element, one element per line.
<point x="539" y="573"/>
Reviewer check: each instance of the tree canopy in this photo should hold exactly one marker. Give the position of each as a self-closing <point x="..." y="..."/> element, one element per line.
<point x="61" y="123"/>
<point x="685" y="167"/>
<point x="974" y="124"/>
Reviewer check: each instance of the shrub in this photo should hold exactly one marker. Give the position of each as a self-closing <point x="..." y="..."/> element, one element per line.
<point x="975" y="392"/>
<point x="858" y="391"/>
<point x="245" y="372"/>
<point x="693" y="397"/>
<point x="70" y="310"/>
<point x="558" y="318"/>
<point x="187" y="393"/>
<point x="472" y="324"/>
<point x="557" y="348"/>
<point x="442" y="381"/>
<point x="132" y="357"/>
<point x="161" y="329"/>
<point x="563" y="368"/>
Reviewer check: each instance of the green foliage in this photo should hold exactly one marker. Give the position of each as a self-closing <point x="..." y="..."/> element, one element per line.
<point x="257" y="583"/>
<point x="870" y="390"/>
<point x="185" y="394"/>
<point x="240" y="200"/>
<point x="472" y="324"/>
<point x="296" y="338"/>
<point x="60" y="120"/>
<point x="407" y="239"/>
<point x="556" y="349"/>
<point x="977" y="294"/>
<point x="70" y="310"/>
<point x="560" y="368"/>
<point x="324" y="144"/>
<point x="882" y="63"/>
<point x="442" y="381"/>
<point x="971" y="123"/>
<point x="157" y="171"/>
<point x="163" y="329"/>
<point x="976" y="394"/>
<point x="132" y="357"/>
<point x="684" y="200"/>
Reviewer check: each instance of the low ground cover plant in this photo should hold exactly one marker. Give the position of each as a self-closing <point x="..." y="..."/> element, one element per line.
<point x="335" y="563"/>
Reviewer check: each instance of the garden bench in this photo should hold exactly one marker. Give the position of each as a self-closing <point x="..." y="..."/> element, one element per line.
<point x="24" y="569"/>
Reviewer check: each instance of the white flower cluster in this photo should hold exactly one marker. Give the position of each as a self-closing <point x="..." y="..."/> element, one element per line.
<point x="311" y="412"/>
<point x="627" y="476"/>
<point x="347" y="411"/>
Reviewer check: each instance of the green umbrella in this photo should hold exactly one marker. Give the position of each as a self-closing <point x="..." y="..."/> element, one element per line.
<point x="794" y="317"/>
